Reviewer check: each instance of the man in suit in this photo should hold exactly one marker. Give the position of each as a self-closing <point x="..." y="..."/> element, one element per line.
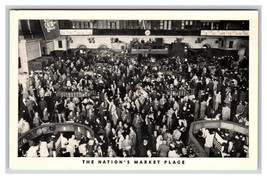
<point x="163" y="149"/>
<point x="143" y="148"/>
<point x="133" y="138"/>
<point x="229" y="149"/>
<point x="102" y="111"/>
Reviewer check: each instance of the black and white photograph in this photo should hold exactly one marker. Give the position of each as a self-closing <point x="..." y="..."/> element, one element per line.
<point x="154" y="88"/>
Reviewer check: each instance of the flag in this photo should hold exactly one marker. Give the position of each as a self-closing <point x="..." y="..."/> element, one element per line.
<point x="50" y="29"/>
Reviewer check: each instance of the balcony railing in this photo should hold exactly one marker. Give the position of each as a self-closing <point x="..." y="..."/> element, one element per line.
<point x="213" y="125"/>
<point x="55" y="128"/>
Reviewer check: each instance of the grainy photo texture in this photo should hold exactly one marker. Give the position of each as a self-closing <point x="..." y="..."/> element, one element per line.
<point x="131" y="88"/>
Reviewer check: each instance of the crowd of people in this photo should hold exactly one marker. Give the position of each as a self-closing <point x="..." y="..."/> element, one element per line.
<point x="137" y="106"/>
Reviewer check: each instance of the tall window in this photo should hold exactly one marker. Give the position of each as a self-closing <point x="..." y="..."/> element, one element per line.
<point x="190" y="25"/>
<point x="186" y="24"/>
<point x="86" y="26"/>
<point x="176" y="25"/>
<point x="77" y="25"/>
<point x="59" y="44"/>
<point x="91" y="24"/>
<point x="73" y="24"/>
<point x="231" y="43"/>
<point x="155" y="25"/>
<point x="95" y="24"/>
<point x="182" y="25"/>
<point x="82" y="25"/>
<point x="113" y="25"/>
<point x="19" y="63"/>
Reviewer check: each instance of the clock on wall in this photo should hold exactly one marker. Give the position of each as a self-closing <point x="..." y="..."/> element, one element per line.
<point x="147" y="32"/>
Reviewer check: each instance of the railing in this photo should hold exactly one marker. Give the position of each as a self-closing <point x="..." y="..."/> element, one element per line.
<point x="55" y="128"/>
<point x="150" y="51"/>
<point x="75" y="94"/>
<point x="213" y="125"/>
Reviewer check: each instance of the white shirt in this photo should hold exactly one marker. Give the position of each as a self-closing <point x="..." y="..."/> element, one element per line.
<point x="82" y="149"/>
<point x="218" y="98"/>
<point x="208" y="138"/>
<point x="32" y="152"/>
<point x="172" y="153"/>
<point x="159" y="141"/>
<point x="44" y="149"/>
<point x="71" y="145"/>
<point x="64" y="141"/>
<point x="23" y="126"/>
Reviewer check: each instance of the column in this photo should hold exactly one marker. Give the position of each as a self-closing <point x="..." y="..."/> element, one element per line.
<point x="24" y="70"/>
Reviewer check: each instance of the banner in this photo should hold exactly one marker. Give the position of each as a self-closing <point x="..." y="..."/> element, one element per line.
<point x="50" y="29"/>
